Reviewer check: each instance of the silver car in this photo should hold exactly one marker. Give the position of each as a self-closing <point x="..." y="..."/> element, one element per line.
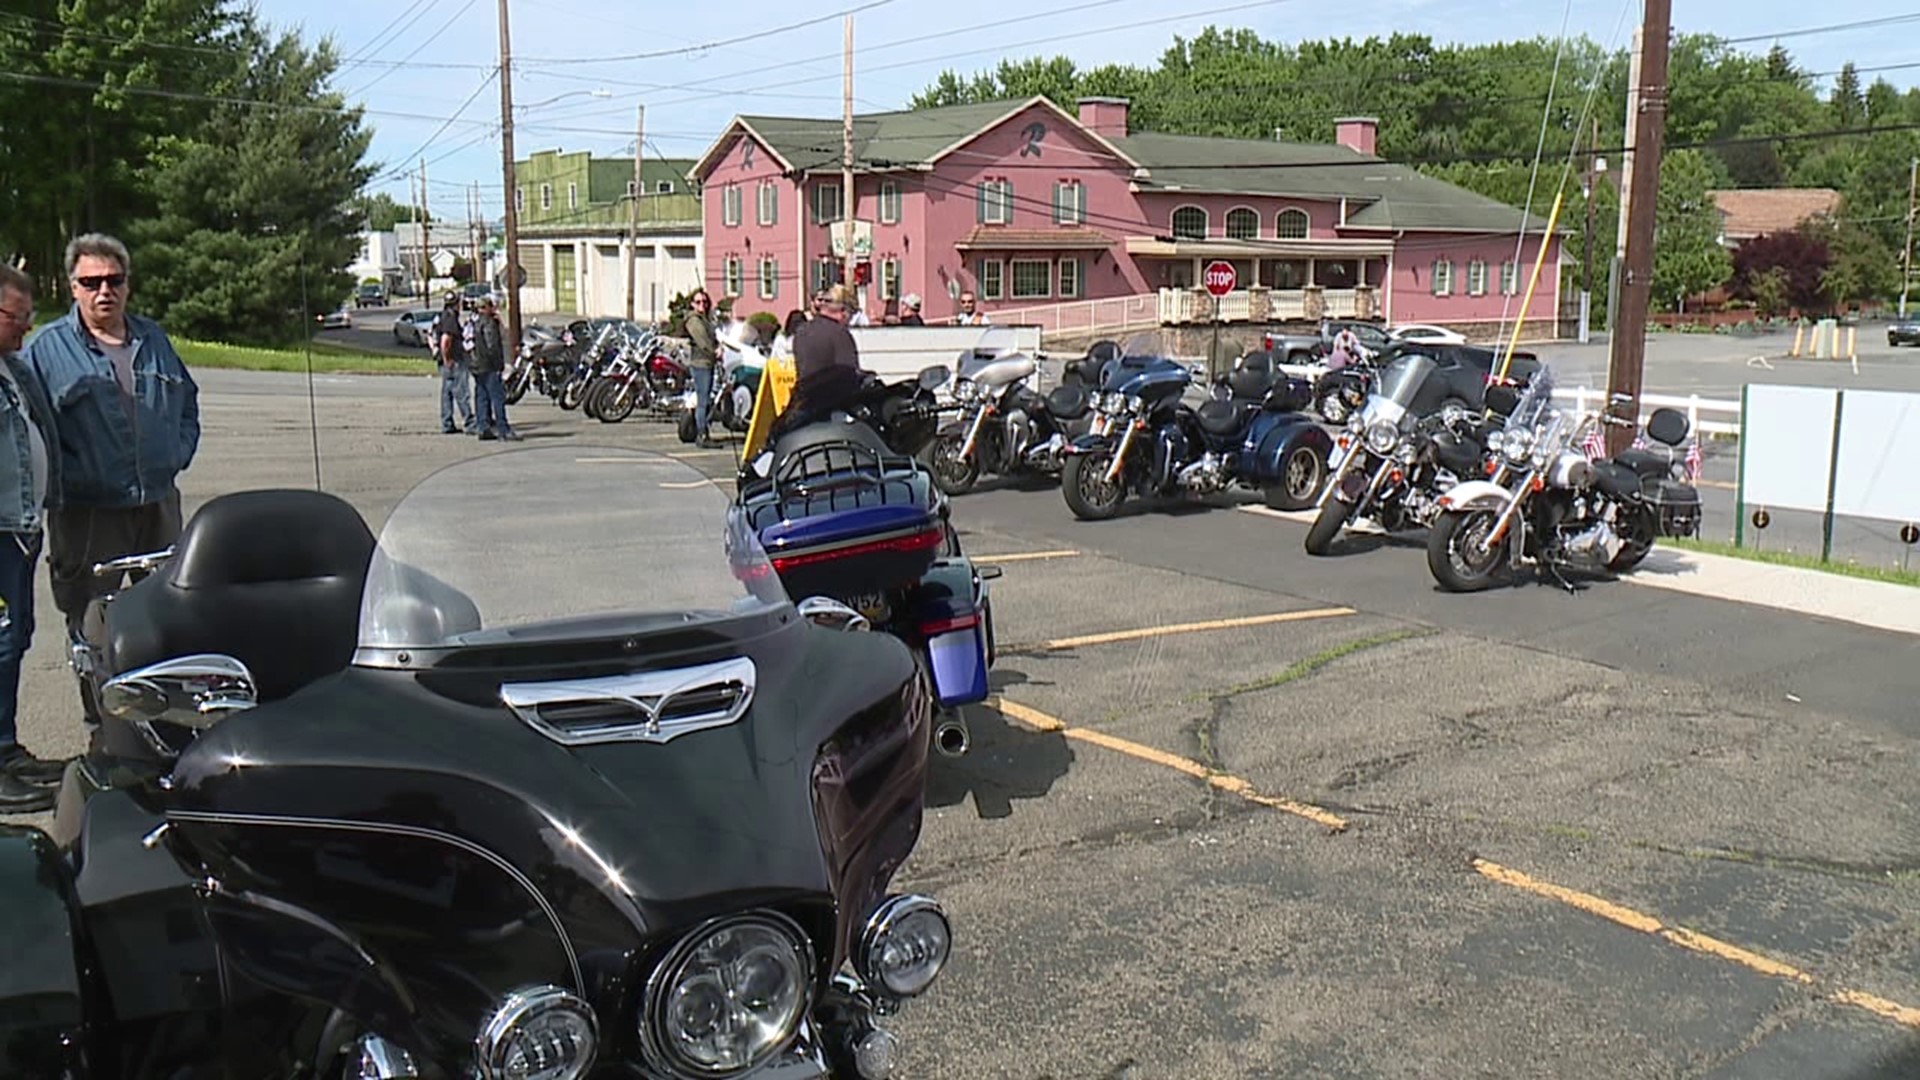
<point x="415" y="327"/>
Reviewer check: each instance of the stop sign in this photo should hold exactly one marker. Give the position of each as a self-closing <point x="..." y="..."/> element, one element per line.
<point x="1220" y="278"/>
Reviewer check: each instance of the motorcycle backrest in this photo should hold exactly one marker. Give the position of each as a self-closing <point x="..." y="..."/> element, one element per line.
<point x="1502" y="398"/>
<point x="1668" y="426"/>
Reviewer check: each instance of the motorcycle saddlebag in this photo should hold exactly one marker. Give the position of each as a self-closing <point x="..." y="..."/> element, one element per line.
<point x="851" y="534"/>
<point x="955" y="630"/>
<point x="43" y="993"/>
<point x="1677" y="505"/>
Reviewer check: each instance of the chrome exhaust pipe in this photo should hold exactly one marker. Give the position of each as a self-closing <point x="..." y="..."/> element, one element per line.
<point x="951" y="737"/>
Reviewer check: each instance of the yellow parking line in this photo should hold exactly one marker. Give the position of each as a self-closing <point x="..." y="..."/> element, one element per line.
<point x="1024" y="556"/>
<point x="1182" y="628"/>
<point x="1692" y="940"/>
<point x="1038" y="720"/>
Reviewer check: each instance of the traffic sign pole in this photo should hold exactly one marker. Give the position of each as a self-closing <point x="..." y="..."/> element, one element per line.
<point x="1220" y="279"/>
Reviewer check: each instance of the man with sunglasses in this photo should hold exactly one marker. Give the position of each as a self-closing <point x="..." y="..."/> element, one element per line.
<point x="27" y="472"/>
<point x="128" y="413"/>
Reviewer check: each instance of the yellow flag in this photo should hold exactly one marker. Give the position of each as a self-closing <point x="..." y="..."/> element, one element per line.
<point x="776" y="386"/>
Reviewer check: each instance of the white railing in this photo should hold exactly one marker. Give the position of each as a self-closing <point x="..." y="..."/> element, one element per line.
<point x="1107" y="314"/>
<point x="1341" y="303"/>
<point x="1188" y="305"/>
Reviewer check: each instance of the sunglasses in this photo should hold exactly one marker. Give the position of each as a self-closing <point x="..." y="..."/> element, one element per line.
<point x="92" y="282"/>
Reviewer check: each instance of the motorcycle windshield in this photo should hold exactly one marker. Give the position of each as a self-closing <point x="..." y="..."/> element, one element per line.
<point x="1401" y="380"/>
<point x="545" y="544"/>
<point x="995" y="344"/>
<point x="1535" y="401"/>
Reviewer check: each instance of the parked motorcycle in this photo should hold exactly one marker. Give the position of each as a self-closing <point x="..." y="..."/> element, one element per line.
<point x="1004" y="426"/>
<point x="1404" y="448"/>
<point x="1338" y="394"/>
<point x="546" y="365"/>
<point x="371" y="810"/>
<point x="1548" y="502"/>
<point x="1146" y="441"/>
<point x="845" y="514"/>
<point x="588" y="366"/>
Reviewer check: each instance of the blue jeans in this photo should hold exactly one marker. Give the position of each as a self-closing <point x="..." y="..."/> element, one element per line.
<point x="702" y="399"/>
<point x="19" y="554"/>
<point x="453" y="391"/>
<point x="490" y="402"/>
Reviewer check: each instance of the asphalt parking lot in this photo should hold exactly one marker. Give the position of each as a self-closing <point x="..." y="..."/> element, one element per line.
<point x="1241" y="813"/>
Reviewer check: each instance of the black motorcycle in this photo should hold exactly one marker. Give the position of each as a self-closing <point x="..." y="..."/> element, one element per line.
<point x="1005" y="427"/>
<point x="366" y="810"/>
<point x="545" y="365"/>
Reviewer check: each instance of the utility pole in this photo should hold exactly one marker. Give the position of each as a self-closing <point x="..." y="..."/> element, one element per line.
<point x="419" y="230"/>
<point x="846" y="158"/>
<point x="1629" y="344"/>
<point x="426" y="229"/>
<point x="1590" y="186"/>
<point x="473" y="230"/>
<point x="1906" y="253"/>
<point x="1626" y="183"/>
<point x="512" y="261"/>
<point x="633" y="209"/>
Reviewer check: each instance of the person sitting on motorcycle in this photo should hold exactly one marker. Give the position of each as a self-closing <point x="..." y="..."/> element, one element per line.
<point x="1346" y="349"/>
<point x="826" y="362"/>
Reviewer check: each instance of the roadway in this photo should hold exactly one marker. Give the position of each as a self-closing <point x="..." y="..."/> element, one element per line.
<point x="1244" y="813"/>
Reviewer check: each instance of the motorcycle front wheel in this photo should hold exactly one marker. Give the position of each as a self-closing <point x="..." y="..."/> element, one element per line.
<point x="572" y="393"/>
<point x="614" y="402"/>
<point x="1326" y="528"/>
<point x="1301" y="476"/>
<point x="1456" y="555"/>
<point x="1084" y="484"/>
<point x="517" y="386"/>
<point x="687" y="427"/>
<point x="951" y="473"/>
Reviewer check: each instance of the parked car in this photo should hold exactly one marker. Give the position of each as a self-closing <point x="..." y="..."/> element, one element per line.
<point x="1426" y="332"/>
<point x="335" y="320"/>
<point x="415" y="327"/>
<point x="1904" y="332"/>
<point x="370" y="296"/>
<point x="475" y="291"/>
<point x="1309" y="348"/>
<point x="1464" y="369"/>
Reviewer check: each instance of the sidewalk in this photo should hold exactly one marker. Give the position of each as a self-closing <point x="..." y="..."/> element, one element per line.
<point x="1878" y="604"/>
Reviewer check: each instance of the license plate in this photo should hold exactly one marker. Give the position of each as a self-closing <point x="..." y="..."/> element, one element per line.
<point x="872" y="605"/>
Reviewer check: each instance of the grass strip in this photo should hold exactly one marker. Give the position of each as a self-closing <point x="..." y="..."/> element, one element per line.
<point x="328" y="359"/>
<point x="1889" y="574"/>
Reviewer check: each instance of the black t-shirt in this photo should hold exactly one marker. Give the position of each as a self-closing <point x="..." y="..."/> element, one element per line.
<point x="448" y="325"/>
<point x="821" y="345"/>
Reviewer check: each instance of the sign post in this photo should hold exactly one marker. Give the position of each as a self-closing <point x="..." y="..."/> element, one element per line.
<point x="1220" y="279"/>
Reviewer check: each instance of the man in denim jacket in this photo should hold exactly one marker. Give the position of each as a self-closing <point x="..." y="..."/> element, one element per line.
<point x="129" y="422"/>
<point x="29" y="469"/>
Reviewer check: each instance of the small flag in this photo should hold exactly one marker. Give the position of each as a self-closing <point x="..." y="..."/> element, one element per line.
<point x="1594" y="446"/>
<point x="1693" y="461"/>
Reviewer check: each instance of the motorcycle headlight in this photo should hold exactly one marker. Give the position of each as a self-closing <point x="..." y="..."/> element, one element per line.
<point x="538" y="1033"/>
<point x="728" y="997"/>
<point x="1356" y="423"/>
<point x="1381" y="437"/>
<point x="905" y="945"/>
<point x="1516" y="444"/>
<point x="1136" y="403"/>
<point x="1406" y="453"/>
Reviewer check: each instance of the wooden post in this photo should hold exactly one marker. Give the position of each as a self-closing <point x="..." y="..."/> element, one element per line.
<point x="846" y="157"/>
<point x="512" y="239"/>
<point x="1629" y="344"/>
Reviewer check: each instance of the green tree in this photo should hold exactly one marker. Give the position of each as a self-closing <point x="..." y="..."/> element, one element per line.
<point x="1864" y="268"/>
<point x="1848" y="105"/>
<point x="1769" y="289"/>
<point x="1687" y="256"/>
<point x="254" y="218"/>
<point x="380" y="213"/>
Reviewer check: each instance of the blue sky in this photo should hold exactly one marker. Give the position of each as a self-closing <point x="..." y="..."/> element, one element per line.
<point x="900" y="46"/>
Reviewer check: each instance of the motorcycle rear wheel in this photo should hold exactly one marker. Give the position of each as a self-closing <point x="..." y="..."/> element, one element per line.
<point x="1326" y="528"/>
<point x="1638" y="535"/>
<point x="1451" y="555"/>
<point x="1301" y="477"/>
<point x="1083" y="482"/>
<point x="951" y="474"/>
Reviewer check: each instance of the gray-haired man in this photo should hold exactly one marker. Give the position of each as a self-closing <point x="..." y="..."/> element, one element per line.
<point x="129" y="422"/>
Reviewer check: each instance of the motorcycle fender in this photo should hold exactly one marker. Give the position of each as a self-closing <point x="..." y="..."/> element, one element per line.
<point x="1284" y="433"/>
<point x="950" y="618"/>
<point x="43" y="999"/>
<point x="1089" y="444"/>
<point x="1475" y="495"/>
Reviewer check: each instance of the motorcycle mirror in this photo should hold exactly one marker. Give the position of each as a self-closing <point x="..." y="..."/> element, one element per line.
<point x="832" y="614"/>
<point x="932" y="378"/>
<point x="193" y="692"/>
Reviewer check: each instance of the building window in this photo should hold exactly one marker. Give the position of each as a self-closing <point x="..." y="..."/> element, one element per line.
<point x="1477" y="277"/>
<point x="1443" y="277"/>
<point x="663" y="187"/>
<point x="546" y="196"/>
<point x="632" y="189"/>
<point x="1069" y="203"/>
<point x="825" y="272"/>
<point x="769" y="278"/>
<point x="1032" y="279"/>
<point x="1242" y="224"/>
<point x="889" y="279"/>
<point x="730" y="205"/>
<point x="733" y="274"/>
<point x="826" y="204"/>
<point x="1509" y="278"/>
<point x="1291" y="224"/>
<point x="519" y="200"/>
<point x="988" y="272"/>
<point x="573" y="196"/>
<point x="1189" y="223"/>
<point x="889" y="202"/>
<point x="1070" y="275"/>
<point x="767" y="200"/>
<point x="993" y="202"/>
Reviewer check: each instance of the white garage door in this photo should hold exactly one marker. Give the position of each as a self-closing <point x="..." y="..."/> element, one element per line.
<point x="607" y="282"/>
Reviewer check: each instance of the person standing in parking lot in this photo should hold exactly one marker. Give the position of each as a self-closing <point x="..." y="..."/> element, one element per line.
<point x="489" y="362"/>
<point x="702" y="356"/>
<point x="28" y="471"/>
<point x="449" y="344"/>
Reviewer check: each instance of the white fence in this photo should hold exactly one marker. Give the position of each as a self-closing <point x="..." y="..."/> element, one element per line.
<point x="1106" y="315"/>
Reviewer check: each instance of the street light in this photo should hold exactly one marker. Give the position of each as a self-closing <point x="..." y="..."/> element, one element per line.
<point x="568" y="94"/>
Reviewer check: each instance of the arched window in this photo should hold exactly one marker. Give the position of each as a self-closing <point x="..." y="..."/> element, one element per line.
<point x="1242" y="224"/>
<point x="1189" y="223"/>
<point x="1291" y="224"/>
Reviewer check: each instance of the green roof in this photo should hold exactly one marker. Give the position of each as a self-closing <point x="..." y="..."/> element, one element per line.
<point x="880" y="140"/>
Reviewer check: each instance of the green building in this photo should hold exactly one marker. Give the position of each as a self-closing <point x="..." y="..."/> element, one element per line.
<point x="577" y="238"/>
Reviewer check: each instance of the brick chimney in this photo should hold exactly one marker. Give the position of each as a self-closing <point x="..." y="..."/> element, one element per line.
<point x="1357" y="133"/>
<point x="1104" y="116"/>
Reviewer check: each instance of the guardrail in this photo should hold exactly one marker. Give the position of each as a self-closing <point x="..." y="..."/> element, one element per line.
<point x="1707" y="416"/>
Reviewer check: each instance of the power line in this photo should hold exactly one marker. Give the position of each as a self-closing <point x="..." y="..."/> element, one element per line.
<point x="217" y="99"/>
<point x="711" y="45"/>
<point x="1862" y="24"/>
<point x="390" y="32"/>
<point x="444" y="27"/>
<point x="450" y="121"/>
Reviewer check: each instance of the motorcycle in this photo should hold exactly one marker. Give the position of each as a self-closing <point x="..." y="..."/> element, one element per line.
<point x="1402" y="449"/>
<point x="845" y="514"/>
<point x="588" y="366"/>
<point x="737" y="385"/>
<point x="1250" y="433"/>
<point x="1548" y="502"/>
<point x="371" y="809"/>
<point x="1005" y="427"/>
<point x="545" y="366"/>
<point x="1338" y="394"/>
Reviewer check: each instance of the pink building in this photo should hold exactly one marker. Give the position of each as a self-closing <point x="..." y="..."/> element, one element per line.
<point x="1028" y="206"/>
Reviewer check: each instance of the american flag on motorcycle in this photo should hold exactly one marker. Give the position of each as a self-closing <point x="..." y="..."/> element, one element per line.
<point x="1594" y="445"/>
<point x="1693" y="461"/>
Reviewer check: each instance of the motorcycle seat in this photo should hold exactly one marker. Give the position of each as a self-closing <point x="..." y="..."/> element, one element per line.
<point x="1224" y="418"/>
<point x="1615" y="479"/>
<point x="1648" y="464"/>
<point x="1067" y="402"/>
<point x="271" y="578"/>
